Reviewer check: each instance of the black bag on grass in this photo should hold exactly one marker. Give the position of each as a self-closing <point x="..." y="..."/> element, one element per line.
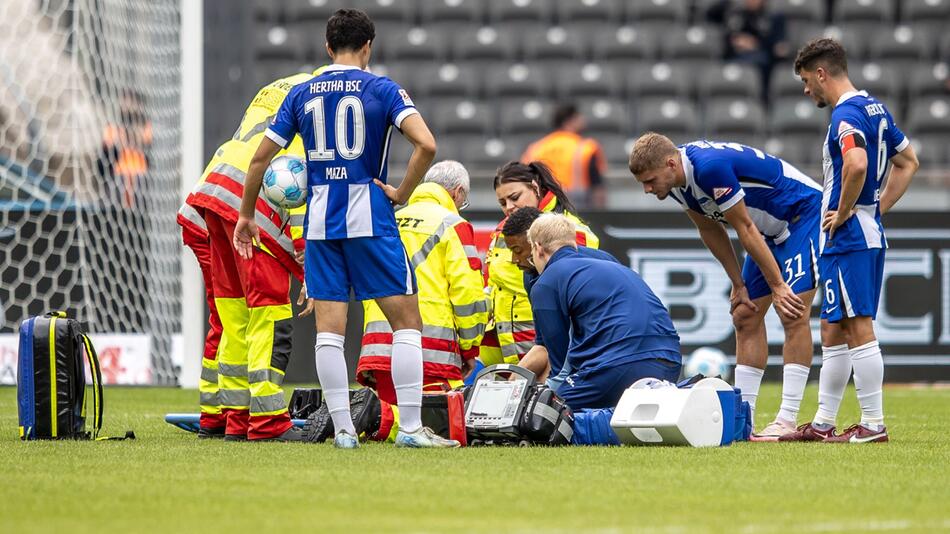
<point x="51" y="382"/>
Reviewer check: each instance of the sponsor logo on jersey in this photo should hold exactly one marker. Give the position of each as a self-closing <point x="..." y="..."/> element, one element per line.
<point x="405" y="97"/>
<point x="719" y="192"/>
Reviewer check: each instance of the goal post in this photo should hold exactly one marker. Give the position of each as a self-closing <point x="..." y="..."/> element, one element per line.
<point x="94" y="151"/>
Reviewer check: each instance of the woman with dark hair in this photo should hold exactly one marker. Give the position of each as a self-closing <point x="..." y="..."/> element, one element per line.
<point x="519" y="185"/>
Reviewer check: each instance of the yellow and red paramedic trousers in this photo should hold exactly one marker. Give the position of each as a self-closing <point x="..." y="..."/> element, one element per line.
<point x="211" y="418"/>
<point x="253" y="303"/>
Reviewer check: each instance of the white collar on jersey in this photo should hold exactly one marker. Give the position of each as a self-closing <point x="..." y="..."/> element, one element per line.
<point x="337" y="66"/>
<point x="850" y="94"/>
<point x="687" y="168"/>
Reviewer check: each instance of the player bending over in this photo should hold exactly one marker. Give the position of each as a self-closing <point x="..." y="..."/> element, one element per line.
<point x="345" y="117"/>
<point x="774" y="209"/>
<point x="861" y="141"/>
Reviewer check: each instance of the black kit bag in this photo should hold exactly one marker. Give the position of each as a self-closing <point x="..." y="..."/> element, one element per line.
<point x="51" y="383"/>
<point x="547" y="419"/>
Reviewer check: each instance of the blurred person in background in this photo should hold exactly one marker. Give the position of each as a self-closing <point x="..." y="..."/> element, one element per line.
<point x="125" y="147"/>
<point x="577" y="162"/>
<point x="518" y="185"/>
<point x="754" y="34"/>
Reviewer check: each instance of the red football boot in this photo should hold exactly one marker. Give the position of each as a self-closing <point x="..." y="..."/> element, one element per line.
<point x="860" y="434"/>
<point x="807" y="432"/>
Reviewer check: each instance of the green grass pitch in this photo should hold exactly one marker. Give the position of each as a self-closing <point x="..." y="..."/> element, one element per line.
<point x="168" y="481"/>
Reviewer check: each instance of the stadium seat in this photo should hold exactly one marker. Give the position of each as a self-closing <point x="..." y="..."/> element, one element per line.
<point x="525" y="116"/>
<point x="902" y="43"/>
<point x="511" y="13"/>
<point x="800" y="11"/>
<point x="878" y="80"/>
<point x="928" y="79"/>
<point x="554" y="45"/>
<point x="931" y="151"/>
<point x="660" y="14"/>
<point x="388" y="11"/>
<point x="853" y="39"/>
<point x="790" y="116"/>
<point x="730" y="80"/>
<point x="452" y="13"/>
<point x="672" y="117"/>
<point x="492" y="152"/>
<point x="399" y="151"/>
<point x="463" y="116"/>
<point x="577" y="81"/>
<point x="929" y="116"/>
<point x="699" y="44"/>
<point x="931" y="14"/>
<point x="314" y="10"/>
<point x="734" y="119"/>
<point x="281" y="43"/>
<point x="863" y="11"/>
<point x="270" y="11"/>
<point x="784" y="83"/>
<point x="617" y="151"/>
<point x="606" y="116"/>
<point x="400" y="73"/>
<point x="659" y="80"/>
<point x="517" y="80"/>
<point x="624" y="44"/>
<point x="590" y="14"/>
<point x="269" y="70"/>
<point x="418" y="45"/>
<point x="447" y="80"/>
<point x="452" y="146"/>
<point x="944" y="47"/>
<point x="801" y="151"/>
<point x="485" y="45"/>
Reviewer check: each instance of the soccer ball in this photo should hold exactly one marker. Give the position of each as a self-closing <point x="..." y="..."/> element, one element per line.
<point x="285" y="182"/>
<point x="707" y="361"/>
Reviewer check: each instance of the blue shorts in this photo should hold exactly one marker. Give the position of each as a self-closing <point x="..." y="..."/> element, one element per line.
<point x="797" y="258"/>
<point x="602" y="387"/>
<point x="851" y="284"/>
<point x="374" y="267"/>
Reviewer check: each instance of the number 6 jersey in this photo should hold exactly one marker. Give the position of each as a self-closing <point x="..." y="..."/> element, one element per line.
<point x="345" y="117"/>
<point x="858" y="121"/>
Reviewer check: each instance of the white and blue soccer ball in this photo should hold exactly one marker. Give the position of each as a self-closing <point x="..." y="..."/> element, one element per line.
<point x="707" y="361"/>
<point x="285" y="182"/>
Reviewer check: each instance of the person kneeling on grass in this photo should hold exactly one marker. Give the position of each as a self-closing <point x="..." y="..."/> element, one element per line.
<point x="618" y="331"/>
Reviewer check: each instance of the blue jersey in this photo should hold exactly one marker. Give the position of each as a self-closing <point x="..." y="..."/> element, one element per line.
<point x="345" y="117"/>
<point x="857" y="113"/>
<point x="604" y="312"/>
<point x="719" y="175"/>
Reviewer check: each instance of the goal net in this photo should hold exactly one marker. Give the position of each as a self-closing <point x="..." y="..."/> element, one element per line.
<point x="90" y="158"/>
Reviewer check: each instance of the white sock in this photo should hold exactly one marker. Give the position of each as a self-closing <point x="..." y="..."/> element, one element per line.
<point x="334" y="379"/>
<point x="748" y="380"/>
<point x="869" y="381"/>
<point x="794" y="378"/>
<point x="406" y="370"/>
<point x="832" y="381"/>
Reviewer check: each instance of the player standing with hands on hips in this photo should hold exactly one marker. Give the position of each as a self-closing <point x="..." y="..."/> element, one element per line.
<point x="345" y="117"/>
<point x="862" y="139"/>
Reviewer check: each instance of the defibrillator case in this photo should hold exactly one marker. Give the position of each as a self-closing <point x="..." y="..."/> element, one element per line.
<point x="495" y="405"/>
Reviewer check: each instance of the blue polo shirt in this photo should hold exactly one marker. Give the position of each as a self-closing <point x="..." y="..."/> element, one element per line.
<point x="602" y="310"/>
<point x="530" y="277"/>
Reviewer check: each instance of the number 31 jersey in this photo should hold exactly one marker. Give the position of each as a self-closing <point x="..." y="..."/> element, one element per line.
<point x="345" y="117"/>
<point x="862" y="116"/>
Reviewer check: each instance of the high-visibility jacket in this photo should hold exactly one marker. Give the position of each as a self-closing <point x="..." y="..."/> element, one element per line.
<point x="511" y="310"/>
<point x="569" y="156"/>
<point x="222" y="184"/>
<point x="441" y="247"/>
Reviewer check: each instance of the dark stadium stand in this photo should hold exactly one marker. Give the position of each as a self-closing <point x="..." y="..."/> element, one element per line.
<point x="486" y="73"/>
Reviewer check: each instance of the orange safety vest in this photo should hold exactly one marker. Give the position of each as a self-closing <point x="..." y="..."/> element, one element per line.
<point x="568" y="155"/>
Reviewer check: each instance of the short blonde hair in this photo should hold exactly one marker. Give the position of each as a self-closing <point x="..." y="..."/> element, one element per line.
<point x="552" y="231"/>
<point x="649" y="152"/>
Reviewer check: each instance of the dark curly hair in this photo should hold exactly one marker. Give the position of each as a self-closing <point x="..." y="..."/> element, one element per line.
<point x="349" y="30"/>
<point x="823" y="52"/>
<point x="519" y="221"/>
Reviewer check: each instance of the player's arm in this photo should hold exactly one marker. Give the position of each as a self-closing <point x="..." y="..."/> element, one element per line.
<point x="904" y="165"/>
<point x="246" y="233"/>
<point x="536" y="361"/>
<point x="854" y="169"/>
<point x="716" y="239"/>
<point x="786" y="302"/>
<point x="414" y="128"/>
